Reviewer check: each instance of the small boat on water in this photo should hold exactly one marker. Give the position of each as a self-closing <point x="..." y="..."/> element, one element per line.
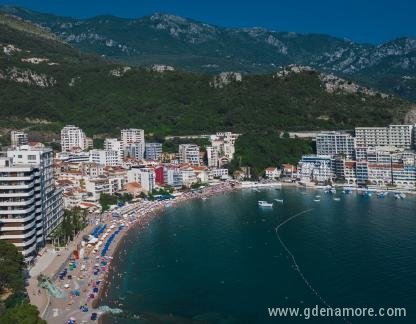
<point x="317" y="200"/>
<point x="330" y="190"/>
<point x="337" y="199"/>
<point x="263" y="203"/>
<point x="382" y="194"/>
<point x="318" y="196"/>
<point x="279" y="200"/>
<point x="399" y="195"/>
<point x="204" y="198"/>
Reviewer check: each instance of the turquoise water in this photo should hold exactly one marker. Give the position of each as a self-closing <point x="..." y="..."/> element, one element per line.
<point x="221" y="261"/>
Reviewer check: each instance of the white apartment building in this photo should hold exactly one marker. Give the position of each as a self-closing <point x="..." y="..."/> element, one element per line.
<point x="73" y="137"/>
<point x="18" y="138"/>
<point x="132" y="136"/>
<point x="212" y="157"/>
<point x="105" y="157"/>
<point x="315" y="168"/>
<point x="272" y="173"/>
<point x="153" y="151"/>
<point x="30" y="205"/>
<point x="399" y="136"/>
<point x="113" y="144"/>
<point x="189" y="154"/>
<point x="97" y="186"/>
<point x="222" y="148"/>
<point x="145" y="176"/>
<point x="173" y="176"/>
<point x="218" y="173"/>
<point x="335" y="143"/>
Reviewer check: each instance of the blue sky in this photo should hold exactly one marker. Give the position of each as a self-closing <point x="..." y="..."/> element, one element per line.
<point x="360" y="20"/>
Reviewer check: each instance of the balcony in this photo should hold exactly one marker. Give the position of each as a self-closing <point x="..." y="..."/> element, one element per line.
<point x="17" y="194"/>
<point x="16" y="203"/>
<point x="18" y="228"/>
<point x="20" y="236"/>
<point x="17" y="186"/>
<point x="17" y="178"/>
<point x="16" y="211"/>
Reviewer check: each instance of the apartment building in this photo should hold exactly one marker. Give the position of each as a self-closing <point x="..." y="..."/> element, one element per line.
<point x="399" y="136"/>
<point x="335" y="143"/>
<point x="153" y="151"/>
<point x="30" y="205"/>
<point x="315" y="168"/>
<point x="212" y="157"/>
<point x="18" y="138"/>
<point x="189" y="154"/>
<point x="73" y="137"/>
<point x="105" y="157"/>
<point x="113" y="144"/>
<point x="222" y="148"/>
<point x="145" y="176"/>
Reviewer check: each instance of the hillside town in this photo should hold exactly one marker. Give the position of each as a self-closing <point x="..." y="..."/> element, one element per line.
<point x="38" y="185"/>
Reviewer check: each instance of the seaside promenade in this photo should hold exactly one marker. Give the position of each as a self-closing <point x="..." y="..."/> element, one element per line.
<point x="85" y="279"/>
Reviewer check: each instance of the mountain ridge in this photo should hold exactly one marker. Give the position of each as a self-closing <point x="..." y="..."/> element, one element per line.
<point x="166" y="39"/>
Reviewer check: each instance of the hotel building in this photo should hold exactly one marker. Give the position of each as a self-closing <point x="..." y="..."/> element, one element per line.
<point x="73" y="137"/>
<point x="30" y="205"/>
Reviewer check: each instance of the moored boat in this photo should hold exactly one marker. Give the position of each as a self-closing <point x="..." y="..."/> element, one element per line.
<point x="263" y="203"/>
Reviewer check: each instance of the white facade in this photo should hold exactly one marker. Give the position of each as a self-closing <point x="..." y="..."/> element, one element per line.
<point x="173" y="177"/>
<point x="212" y="157"/>
<point x="400" y="136"/>
<point x="18" y="138"/>
<point x="189" y="153"/>
<point x="113" y="144"/>
<point x="222" y="148"/>
<point x="73" y="137"/>
<point x="218" y="173"/>
<point x="146" y="177"/>
<point x="315" y="168"/>
<point x="105" y="157"/>
<point x="153" y="151"/>
<point x="335" y="143"/>
<point x="272" y="173"/>
<point x="133" y="142"/>
<point x="30" y="206"/>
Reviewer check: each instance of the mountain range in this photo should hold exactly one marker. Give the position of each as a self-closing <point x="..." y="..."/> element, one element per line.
<point x="194" y="46"/>
<point x="46" y="83"/>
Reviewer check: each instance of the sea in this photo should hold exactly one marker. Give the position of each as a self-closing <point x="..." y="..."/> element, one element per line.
<point x="227" y="260"/>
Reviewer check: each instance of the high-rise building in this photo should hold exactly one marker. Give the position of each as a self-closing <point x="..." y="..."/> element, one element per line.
<point x="18" y="138"/>
<point x="335" y="143"/>
<point x="144" y="176"/>
<point x="399" y="136"/>
<point x="30" y="205"/>
<point x="212" y="157"/>
<point x="113" y="144"/>
<point x="189" y="153"/>
<point x="72" y="137"/>
<point x="315" y="168"/>
<point x="105" y="157"/>
<point x="133" y="142"/>
<point x="222" y="148"/>
<point x="153" y="151"/>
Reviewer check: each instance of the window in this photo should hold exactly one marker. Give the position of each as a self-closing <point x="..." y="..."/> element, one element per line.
<point x="31" y="157"/>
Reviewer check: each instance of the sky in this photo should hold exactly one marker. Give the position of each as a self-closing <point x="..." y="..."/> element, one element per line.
<point x="366" y="21"/>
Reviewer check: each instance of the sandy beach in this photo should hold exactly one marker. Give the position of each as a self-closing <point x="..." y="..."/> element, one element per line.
<point x="81" y="281"/>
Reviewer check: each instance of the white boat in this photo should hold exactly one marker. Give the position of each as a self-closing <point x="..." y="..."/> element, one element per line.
<point x="317" y="200"/>
<point x="279" y="200"/>
<point x="337" y="198"/>
<point x="263" y="203"/>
